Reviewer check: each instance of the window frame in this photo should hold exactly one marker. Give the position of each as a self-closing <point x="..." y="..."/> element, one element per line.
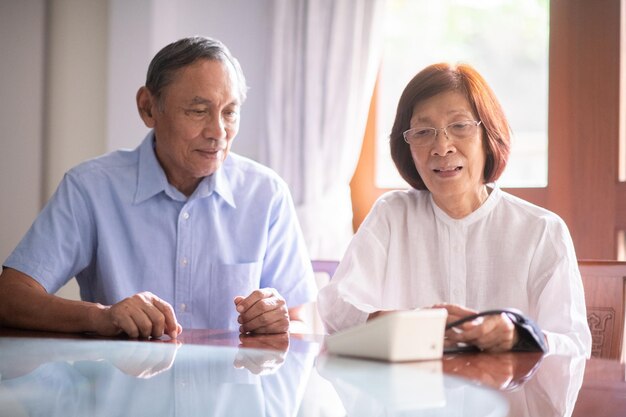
<point x="585" y="129"/>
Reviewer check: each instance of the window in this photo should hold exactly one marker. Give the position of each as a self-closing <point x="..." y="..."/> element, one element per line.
<point x="586" y="125"/>
<point x="505" y="40"/>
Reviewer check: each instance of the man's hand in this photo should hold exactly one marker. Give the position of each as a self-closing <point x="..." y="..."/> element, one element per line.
<point x="263" y="311"/>
<point x="493" y="333"/>
<point x="142" y="315"/>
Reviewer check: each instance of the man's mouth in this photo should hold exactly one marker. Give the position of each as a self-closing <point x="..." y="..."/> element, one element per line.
<point x="210" y="152"/>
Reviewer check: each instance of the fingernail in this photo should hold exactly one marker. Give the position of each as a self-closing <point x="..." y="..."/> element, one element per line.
<point x="240" y="308"/>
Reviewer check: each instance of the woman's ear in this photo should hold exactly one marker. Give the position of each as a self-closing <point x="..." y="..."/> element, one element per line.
<point x="146" y="105"/>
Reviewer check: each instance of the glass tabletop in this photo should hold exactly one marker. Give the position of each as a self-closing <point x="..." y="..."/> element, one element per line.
<point x="272" y="376"/>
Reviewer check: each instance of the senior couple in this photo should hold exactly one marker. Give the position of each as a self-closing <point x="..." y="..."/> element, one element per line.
<point x="182" y="233"/>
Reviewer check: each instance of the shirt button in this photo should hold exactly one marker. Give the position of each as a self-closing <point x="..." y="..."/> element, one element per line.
<point x="183" y="307"/>
<point x="184" y="262"/>
<point x="185" y="215"/>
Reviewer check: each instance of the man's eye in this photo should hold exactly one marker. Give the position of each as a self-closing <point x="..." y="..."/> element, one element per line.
<point x="195" y="112"/>
<point x="231" y="114"/>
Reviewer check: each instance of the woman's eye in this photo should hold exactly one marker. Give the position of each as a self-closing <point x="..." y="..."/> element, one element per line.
<point x="422" y="132"/>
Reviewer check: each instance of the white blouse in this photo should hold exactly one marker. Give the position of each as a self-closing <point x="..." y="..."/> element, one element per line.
<point x="408" y="253"/>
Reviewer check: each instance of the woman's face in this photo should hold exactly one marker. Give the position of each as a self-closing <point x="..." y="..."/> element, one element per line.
<point x="451" y="167"/>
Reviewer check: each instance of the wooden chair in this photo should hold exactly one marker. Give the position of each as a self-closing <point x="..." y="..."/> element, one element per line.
<point x="605" y="291"/>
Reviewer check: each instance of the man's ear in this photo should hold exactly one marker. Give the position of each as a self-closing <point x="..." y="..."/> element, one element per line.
<point x="146" y="105"/>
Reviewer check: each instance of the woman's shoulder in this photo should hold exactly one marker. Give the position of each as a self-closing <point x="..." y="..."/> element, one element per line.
<point x="528" y="211"/>
<point x="404" y="198"/>
<point x="393" y="206"/>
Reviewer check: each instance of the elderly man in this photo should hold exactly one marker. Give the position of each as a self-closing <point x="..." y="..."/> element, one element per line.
<point x="179" y="232"/>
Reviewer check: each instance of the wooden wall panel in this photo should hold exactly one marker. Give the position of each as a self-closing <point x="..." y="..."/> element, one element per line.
<point x="584" y="121"/>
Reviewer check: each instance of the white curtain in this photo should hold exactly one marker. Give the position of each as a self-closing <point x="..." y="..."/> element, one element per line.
<point x="325" y="57"/>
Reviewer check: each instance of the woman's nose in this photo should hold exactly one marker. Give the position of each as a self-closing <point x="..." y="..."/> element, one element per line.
<point x="443" y="145"/>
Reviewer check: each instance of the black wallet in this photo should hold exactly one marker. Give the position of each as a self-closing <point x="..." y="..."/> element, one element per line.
<point x="531" y="338"/>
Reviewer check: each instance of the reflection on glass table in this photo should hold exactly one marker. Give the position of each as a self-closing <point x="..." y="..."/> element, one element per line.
<point x="215" y="373"/>
<point x="534" y="385"/>
<point x="370" y="388"/>
<point x="57" y="377"/>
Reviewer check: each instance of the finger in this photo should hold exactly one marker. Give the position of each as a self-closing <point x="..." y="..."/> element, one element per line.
<point x="148" y="321"/>
<point x="126" y="324"/>
<point x="503" y="337"/>
<point x="456" y="312"/>
<point x="171" y="326"/>
<point x="127" y="316"/>
<point x="256" y="295"/>
<point x="275" y="321"/>
<point x="496" y="334"/>
<point x="278" y="327"/>
<point x="263" y="306"/>
<point x="154" y="324"/>
<point x="259" y="324"/>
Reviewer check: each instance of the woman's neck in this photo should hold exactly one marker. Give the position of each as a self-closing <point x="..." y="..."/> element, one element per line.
<point x="462" y="206"/>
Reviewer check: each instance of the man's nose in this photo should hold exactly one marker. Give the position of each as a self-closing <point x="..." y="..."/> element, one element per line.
<point x="214" y="128"/>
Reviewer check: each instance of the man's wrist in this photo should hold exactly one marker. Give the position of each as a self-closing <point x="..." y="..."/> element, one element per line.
<point x="95" y="317"/>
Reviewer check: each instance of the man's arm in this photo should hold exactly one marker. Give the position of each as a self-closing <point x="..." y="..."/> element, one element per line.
<point x="25" y="304"/>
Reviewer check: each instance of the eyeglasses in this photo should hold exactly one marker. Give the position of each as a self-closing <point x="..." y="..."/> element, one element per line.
<point x="425" y="136"/>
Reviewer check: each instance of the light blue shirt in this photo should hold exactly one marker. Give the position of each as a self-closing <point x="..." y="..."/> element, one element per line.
<point x="118" y="226"/>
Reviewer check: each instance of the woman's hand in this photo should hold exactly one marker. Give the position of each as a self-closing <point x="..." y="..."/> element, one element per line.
<point x="493" y="333"/>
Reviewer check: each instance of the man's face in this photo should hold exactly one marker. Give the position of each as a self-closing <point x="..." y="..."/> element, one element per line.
<point x="195" y="122"/>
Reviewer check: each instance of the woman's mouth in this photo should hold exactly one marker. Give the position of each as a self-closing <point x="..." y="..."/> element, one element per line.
<point x="448" y="171"/>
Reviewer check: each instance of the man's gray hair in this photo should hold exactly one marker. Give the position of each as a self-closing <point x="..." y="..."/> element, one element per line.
<point x="185" y="52"/>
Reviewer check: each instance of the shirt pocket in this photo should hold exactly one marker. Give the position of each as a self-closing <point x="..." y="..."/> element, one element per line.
<point x="226" y="282"/>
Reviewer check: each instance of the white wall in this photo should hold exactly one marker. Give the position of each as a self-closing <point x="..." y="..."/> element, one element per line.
<point x="138" y="29"/>
<point x="21" y="117"/>
<point x="73" y="96"/>
<point x="76" y="85"/>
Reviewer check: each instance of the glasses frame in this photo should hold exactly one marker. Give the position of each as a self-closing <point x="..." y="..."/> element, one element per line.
<point x="444" y="129"/>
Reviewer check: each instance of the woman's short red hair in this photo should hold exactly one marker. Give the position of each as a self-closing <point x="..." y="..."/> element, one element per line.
<point x="439" y="78"/>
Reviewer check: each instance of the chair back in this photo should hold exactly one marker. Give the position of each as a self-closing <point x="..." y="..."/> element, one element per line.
<point x="324" y="266"/>
<point x="605" y="286"/>
<point x="324" y="271"/>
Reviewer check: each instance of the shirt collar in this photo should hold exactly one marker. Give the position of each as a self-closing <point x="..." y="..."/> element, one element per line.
<point x="151" y="178"/>
<point x="479" y="213"/>
<point x="217" y="182"/>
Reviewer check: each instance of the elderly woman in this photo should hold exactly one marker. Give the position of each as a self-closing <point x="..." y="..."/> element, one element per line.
<point x="456" y="240"/>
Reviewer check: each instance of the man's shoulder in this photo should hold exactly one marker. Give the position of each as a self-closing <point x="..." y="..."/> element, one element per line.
<point x="110" y="163"/>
